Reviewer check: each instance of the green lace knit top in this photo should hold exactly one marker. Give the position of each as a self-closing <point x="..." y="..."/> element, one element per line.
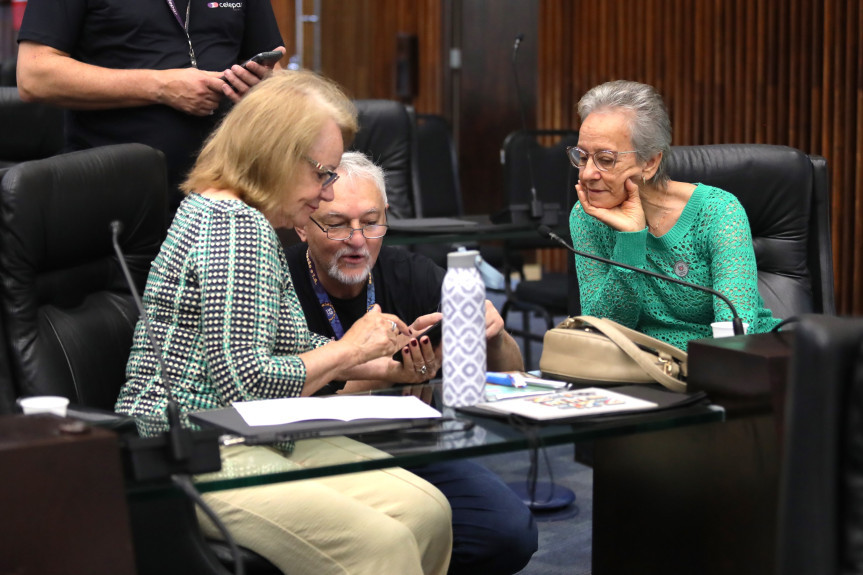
<point x="220" y="299"/>
<point x="710" y="245"/>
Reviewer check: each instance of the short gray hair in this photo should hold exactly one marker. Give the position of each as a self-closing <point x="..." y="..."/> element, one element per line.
<point x="649" y="127"/>
<point x="356" y="165"/>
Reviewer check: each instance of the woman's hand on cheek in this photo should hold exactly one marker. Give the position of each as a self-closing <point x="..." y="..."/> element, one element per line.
<point x="626" y="216"/>
<point x="631" y="206"/>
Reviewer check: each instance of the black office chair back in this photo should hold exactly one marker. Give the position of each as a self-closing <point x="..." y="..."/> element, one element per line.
<point x="438" y="169"/>
<point x="537" y="158"/>
<point x="387" y="135"/>
<point x="8" y="73"/>
<point x="786" y="196"/>
<point x="821" y="495"/>
<point x="7" y="387"/>
<point x="67" y="312"/>
<point x="31" y="131"/>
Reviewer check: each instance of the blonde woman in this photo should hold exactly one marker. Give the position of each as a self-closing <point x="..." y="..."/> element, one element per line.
<point x="220" y="299"/>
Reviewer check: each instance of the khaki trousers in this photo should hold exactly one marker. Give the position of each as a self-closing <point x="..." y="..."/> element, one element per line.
<point x="366" y="523"/>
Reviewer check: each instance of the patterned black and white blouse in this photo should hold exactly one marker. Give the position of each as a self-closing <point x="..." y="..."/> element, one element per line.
<point x="222" y="305"/>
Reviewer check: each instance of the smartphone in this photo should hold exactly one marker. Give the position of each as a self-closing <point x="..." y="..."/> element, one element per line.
<point x="265" y="58"/>
<point x="434" y="334"/>
<point x="261" y="58"/>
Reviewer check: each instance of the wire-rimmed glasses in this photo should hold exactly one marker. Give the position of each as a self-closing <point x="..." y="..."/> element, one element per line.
<point x="344" y="233"/>
<point x="319" y="167"/>
<point x="604" y="160"/>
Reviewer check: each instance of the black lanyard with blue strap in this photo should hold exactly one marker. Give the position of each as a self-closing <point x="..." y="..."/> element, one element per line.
<point x="327" y="305"/>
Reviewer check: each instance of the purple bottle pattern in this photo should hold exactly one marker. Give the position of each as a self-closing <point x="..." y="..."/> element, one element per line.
<point x="464" y="353"/>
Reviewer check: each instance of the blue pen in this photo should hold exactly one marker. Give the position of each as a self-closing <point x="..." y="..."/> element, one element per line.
<point x="500" y="378"/>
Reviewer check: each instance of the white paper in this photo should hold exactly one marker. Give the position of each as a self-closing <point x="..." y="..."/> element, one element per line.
<point x="343" y="407"/>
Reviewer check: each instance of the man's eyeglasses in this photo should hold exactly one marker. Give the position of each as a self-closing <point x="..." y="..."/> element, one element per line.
<point x="344" y="233"/>
<point x="331" y="176"/>
<point x="604" y="160"/>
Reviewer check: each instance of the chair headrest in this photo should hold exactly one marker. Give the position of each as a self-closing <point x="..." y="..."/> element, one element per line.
<point x="387" y="135"/>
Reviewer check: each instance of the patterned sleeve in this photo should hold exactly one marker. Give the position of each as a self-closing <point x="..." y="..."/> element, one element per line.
<point x="732" y="258"/>
<point x="608" y="291"/>
<point x="242" y="283"/>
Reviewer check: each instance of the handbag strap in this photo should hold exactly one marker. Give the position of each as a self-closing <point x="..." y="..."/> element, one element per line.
<point x="628" y="341"/>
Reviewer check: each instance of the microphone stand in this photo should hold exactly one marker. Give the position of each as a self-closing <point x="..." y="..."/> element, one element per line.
<point x="736" y="322"/>
<point x="535" y="205"/>
<point x="187" y="453"/>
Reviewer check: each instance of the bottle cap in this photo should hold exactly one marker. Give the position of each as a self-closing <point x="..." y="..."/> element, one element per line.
<point x="462" y="259"/>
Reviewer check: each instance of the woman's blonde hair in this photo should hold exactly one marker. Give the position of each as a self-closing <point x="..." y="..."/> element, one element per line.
<point x="257" y="148"/>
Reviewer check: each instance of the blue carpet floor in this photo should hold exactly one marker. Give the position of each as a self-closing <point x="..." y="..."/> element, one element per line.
<point x="565" y="536"/>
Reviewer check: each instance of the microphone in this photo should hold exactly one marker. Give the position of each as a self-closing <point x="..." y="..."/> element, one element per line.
<point x="535" y="205"/>
<point x="737" y="323"/>
<point x="186" y="452"/>
<point x="515" y="46"/>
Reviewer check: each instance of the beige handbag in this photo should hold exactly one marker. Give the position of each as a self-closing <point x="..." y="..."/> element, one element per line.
<point x="591" y="351"/>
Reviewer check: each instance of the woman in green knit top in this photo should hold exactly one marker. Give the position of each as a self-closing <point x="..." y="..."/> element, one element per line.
<point x="630" y="211"/>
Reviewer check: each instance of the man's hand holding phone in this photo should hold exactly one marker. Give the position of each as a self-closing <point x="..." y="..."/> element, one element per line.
<point x="239" y="79"/>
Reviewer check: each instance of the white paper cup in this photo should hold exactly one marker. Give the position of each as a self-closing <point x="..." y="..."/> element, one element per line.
<point x="44" y="404"/>
<point x="725" y="329"/>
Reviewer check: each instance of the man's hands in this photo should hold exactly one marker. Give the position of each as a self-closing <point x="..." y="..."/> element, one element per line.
<point x="199" y="93"/>
<point x="239" y="80"/>
<point x="190" y="90"/>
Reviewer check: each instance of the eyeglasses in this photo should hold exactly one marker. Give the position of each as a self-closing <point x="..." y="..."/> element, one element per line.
<point x="344" y="233"/>
<point x="604" y="160"/>
<point x="331" y="176"/>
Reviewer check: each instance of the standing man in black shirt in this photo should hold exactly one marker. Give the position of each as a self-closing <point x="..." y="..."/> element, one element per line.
<point x="146" y="71"/>
<point x="340" y="272"/>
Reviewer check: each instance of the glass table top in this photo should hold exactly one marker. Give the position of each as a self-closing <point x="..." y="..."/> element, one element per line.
<point x="457" y="435"/>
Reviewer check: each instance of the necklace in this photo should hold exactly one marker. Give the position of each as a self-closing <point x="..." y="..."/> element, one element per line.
<point x="655" y="228"/>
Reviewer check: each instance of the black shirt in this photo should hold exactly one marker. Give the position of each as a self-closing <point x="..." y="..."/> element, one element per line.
<point x="406" y="284"/>
<point x="144" y="34"/>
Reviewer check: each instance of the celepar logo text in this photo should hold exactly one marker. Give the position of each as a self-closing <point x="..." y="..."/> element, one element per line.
<point x="232" y="5"/>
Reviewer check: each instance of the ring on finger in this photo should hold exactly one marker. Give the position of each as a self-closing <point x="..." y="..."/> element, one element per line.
<point x="394" y="326"/>
<point x="423" y="370"/>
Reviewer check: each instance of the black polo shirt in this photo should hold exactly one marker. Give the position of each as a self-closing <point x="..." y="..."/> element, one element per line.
<point x="144" y="34"/>
<point x="406" y="284"/>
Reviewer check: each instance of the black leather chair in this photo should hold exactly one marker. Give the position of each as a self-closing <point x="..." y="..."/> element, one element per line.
<point x="537" y="160"/>
<point x="821" y="496"/>
<point x="437" y="165"/>
<point x="67" y="313"/>
<point x="30" y="131"/>
<point x="440" y="192"/>
<point x="786" y="196"/>
<point x="8" y="73"/>
<point x="387" y="135"/>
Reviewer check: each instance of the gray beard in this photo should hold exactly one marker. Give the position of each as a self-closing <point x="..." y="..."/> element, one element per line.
<point x="335" y="272"/>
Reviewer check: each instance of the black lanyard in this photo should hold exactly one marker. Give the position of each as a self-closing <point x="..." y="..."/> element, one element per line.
<point x="185" y="27"/>
<point x="327" y="305"/>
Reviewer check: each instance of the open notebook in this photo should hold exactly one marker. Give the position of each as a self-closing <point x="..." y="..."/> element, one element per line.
<point x="260" y="427"/>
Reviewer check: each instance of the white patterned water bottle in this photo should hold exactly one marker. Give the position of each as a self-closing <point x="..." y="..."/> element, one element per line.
<point x="463" y="306"/>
